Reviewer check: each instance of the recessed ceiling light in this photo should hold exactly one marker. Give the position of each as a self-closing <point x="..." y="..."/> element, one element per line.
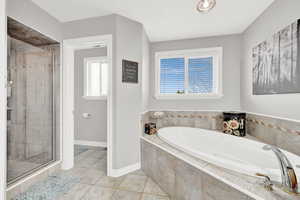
<point x="206" y="5"/>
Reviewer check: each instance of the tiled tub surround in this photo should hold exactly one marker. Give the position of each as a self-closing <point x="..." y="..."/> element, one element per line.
<point x="197" y="119"/>
<point x="185" y="177"/>
<point x="282" y="133"/>
<point x="158" y="158"/>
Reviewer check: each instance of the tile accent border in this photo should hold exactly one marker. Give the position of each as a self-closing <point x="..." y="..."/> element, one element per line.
<point x="272" y="126"/>
<point x="282" y="133"/>
<point x="197" y="119"/>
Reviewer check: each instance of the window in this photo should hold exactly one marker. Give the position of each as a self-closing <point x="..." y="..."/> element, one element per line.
<point x="95" y="78"/>
<point x="188" y="74"/>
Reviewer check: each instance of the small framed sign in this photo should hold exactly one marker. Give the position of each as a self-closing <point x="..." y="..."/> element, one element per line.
<point x="130" y="73"/>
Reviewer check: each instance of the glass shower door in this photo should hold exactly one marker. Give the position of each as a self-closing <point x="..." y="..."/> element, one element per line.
<point x="31" y="108"/>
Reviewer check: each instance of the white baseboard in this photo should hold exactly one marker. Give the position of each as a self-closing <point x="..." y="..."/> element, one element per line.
<point x="90" y="143"/>
<point x="125" y="170"/>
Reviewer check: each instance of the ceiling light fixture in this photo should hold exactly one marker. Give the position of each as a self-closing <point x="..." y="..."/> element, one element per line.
<point x="206" y="5"/>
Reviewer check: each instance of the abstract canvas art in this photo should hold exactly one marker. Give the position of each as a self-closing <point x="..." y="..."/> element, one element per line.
<point x="276" y="63"/>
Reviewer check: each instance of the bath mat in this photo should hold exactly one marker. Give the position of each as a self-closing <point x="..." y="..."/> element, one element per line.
<point x="50" y="189"/>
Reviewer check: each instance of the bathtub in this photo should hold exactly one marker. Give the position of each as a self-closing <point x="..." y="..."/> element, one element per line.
<point x="230" y="152"/>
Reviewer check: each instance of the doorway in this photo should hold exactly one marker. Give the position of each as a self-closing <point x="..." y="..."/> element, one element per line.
<point x="91" y="72"/>
<point x="74" y="122"/>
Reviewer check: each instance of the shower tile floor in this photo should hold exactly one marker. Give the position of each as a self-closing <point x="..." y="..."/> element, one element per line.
<point x="17" y="168"/>
<point x="93" y="184"/>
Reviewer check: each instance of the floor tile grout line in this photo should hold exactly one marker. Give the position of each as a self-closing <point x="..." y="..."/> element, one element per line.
<point x="121" y="188"/>
<point x="114" y="188"/>
<point x="154" y="194"/>
<point x="86" y="192"/>
<point x="160" y="189"/>
<point x="144" y="188"/>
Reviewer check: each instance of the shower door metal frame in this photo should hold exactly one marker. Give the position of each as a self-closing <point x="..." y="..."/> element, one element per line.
<point x="3" y="100"/>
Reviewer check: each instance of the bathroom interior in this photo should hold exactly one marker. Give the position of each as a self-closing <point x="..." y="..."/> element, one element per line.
<point x="127" y="100"/>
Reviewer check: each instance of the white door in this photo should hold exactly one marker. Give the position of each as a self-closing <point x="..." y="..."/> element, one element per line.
<point x="3" y="50"/>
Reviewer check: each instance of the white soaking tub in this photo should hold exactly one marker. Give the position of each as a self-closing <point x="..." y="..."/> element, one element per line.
<point x="234" y="153"/>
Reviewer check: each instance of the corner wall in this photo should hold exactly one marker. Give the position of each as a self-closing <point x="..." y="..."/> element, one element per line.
<point x="277" y="16"/>
<point x="231" y="74"/>
<point x="129" y="42"/>
<point x="145" y="71"/>
<point x="128" y="96"/>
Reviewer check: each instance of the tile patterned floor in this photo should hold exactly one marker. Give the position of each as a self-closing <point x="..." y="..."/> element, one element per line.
<point x="90" y="167"/>
<point x="49" y="189"/>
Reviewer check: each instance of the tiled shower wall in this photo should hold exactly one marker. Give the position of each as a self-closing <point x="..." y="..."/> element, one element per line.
<point x="271" y="130"/>
<point x="29" y="129"/>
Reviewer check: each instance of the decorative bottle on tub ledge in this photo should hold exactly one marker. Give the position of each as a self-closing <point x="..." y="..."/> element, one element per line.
<point x="150" y="128"/>
<point x="234" y="123"/>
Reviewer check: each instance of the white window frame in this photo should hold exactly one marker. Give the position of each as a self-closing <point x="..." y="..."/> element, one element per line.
<point x="216" y="53"/>
<point x="86" y="61"/>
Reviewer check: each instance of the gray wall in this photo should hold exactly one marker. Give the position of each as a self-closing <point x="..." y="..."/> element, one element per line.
<point x="277" y="16"/>
<point x="145" y="71"/>
<point x="31" y="15"/>
<point x="128" y="97"/>
<point x="231" y="74"/>
<point x="89" y="27"/>
<point x="93" y="129"/>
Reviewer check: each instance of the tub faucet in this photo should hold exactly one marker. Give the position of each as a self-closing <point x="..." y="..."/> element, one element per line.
<point x="289" y="179"/>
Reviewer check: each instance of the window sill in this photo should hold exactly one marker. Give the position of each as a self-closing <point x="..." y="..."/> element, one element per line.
<point x="188" y="97"/>
<point x="94" y="98"/>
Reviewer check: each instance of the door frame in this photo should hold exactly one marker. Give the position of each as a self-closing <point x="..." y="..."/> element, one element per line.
<point x="68" y="99"/>
<point x="3" y="100"/>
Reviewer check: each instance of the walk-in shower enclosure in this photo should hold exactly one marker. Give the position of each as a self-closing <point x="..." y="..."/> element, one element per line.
<point x="33" y="98"/>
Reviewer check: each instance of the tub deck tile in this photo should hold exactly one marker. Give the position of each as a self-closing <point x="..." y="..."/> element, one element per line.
<point x="216" y="180"/>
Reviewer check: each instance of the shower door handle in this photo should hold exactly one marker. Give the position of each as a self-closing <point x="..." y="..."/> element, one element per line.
<point x="8" y="87"/>
<point x="86" y="115"/>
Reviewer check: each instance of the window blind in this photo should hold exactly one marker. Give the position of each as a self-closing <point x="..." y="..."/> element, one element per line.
<point x="200" y="72"/>
<point x="172" y="75"/>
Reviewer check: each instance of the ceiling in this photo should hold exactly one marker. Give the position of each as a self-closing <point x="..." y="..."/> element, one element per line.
<point x="165" y="19"/>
